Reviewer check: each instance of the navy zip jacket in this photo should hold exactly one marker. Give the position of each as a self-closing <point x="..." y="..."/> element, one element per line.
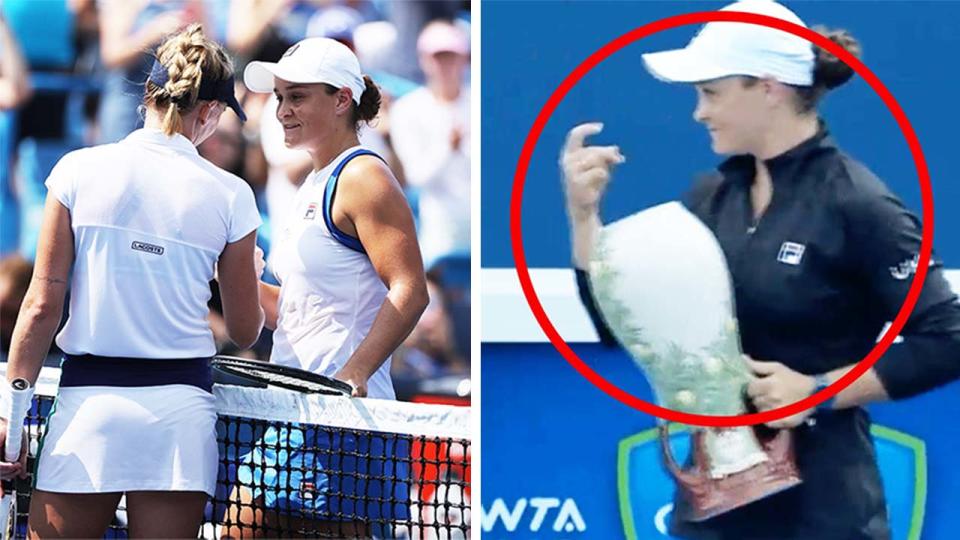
<point x="815" y="279"/>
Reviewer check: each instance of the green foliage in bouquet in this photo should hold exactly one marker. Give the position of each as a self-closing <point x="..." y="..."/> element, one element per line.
<point x="707" y="381"/>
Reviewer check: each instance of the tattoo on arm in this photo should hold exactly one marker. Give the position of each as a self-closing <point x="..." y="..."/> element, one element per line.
<point x="50" y="279"/>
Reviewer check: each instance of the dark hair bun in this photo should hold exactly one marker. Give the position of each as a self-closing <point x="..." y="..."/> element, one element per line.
<point x="829" y="71"/>
<point x="369" y="101"/>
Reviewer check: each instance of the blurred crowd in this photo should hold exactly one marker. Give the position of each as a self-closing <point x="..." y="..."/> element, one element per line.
<point x="72" y="75"/>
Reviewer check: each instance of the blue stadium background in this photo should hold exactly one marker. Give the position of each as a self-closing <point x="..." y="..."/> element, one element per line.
<point x="547" y="434"/>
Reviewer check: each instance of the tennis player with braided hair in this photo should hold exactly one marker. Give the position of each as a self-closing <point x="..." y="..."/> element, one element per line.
<point x="135" y="229"/>
<point x="821" y="254"/>
<point x="352" y="287"/>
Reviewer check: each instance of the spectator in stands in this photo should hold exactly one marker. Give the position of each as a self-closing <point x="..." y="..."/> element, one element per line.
<point x="127" y="31"/>
<point x="45" y="33"/>
<point x="15" y="272"/>
<point x="14" y="75"/>
<point x="14" y="91"/>
<point x="264" y="29"/>
<point x="409" y="18"/>
<point x="335" y="22"/>
<point x="430" y="130"/>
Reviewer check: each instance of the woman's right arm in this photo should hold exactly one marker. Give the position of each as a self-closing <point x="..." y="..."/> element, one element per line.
<point x="586" y="172"/>
<point x="41" y="310"/>
<point x="240" y="291"/>
<point x="42" y="306"/>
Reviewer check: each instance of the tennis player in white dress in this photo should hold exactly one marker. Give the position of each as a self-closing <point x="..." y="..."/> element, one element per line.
<point x="352" y="288"/>
<point x="135" y="229"/>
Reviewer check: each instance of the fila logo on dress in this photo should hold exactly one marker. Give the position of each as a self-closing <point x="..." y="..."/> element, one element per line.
<point x="791" y="253"/>
<point x="311" y="211"/>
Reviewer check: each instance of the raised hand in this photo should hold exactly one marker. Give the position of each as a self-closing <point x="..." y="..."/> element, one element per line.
<point x="586" y="169"/>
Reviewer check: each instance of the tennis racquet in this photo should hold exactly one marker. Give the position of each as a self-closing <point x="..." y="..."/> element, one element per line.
<point x="21" y="394"/>
<point x="267" y="374"/>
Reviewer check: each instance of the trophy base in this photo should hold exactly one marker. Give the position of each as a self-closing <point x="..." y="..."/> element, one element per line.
<point x="710" y="497"/>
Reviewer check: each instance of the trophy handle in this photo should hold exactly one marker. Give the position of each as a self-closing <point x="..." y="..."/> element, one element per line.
<point x="692" y="480"/>
<point x="780" y="446"/>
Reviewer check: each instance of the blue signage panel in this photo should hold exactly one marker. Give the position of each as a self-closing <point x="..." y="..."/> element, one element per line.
<point x="561" y="459"/>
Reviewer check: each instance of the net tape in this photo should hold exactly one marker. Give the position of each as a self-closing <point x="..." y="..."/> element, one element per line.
<point x="388" y="469"/>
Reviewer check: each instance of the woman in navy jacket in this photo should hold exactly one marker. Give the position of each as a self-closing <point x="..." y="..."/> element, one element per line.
<point x="821" y="254"/>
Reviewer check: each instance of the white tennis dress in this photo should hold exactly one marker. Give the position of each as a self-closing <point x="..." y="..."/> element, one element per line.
<point x="330" y="292"/>
<point x="150" y="217"/>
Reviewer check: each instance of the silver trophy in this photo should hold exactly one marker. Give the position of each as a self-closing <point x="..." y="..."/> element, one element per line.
<point x="661" y="283"/>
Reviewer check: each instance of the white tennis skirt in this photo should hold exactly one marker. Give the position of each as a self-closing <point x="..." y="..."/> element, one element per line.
<point x="102" y="439"/>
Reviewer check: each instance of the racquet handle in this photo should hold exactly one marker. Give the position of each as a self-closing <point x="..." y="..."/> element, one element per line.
<point x="21" y="394"/>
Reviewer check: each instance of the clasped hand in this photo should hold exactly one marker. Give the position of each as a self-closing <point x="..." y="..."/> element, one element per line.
<point x="15" y="469"/>
<point x="774" y="385"/>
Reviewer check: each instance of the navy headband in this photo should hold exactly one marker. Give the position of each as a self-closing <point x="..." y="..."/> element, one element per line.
<point x="210" y="90"/>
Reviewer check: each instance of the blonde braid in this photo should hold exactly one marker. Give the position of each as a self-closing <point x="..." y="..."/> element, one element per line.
<point x="187" y="56"/>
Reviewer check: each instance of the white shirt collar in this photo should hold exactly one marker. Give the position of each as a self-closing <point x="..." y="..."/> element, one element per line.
<point x="155" y="136"/>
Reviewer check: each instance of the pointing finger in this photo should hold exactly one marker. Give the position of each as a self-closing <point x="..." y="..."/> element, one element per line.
<point x="578" y="134"/>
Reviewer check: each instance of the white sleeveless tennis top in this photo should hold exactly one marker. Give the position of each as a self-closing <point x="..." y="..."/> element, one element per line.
<point x="329" y="290"/>
<point x="150" y="217"/>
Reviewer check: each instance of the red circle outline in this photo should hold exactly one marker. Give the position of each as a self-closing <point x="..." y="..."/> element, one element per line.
<point x="516" y="203"/>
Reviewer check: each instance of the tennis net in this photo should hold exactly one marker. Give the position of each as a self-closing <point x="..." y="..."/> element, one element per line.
<point x="299" y="465"/>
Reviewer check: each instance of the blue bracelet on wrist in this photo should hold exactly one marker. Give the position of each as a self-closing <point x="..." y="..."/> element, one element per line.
<point x="822" y="382"/>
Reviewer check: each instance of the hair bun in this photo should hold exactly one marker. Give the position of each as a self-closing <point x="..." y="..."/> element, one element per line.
<point x="369" y="101"/>
<point x="829" y="71"/>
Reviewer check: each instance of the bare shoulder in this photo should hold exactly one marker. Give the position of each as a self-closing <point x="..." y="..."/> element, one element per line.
<point x="366" y="181"/>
